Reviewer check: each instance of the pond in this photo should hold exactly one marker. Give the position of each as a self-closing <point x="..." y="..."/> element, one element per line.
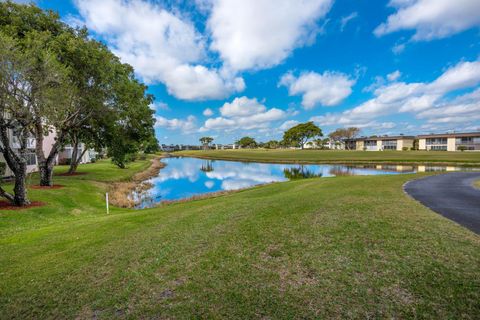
<point x="184" y="178"/>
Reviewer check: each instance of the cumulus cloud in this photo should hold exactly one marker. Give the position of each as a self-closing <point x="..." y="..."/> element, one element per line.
<point x="427" y="101"/>
<point x="187" y="125"/>
<point x="162" y="46"/>
<point x="288" y="124"/>
<point x="243" y="114"/>
<point x="252" y="34"/>
<point x="431" y="19"/>
<point x="208" y="112"/>
<point x="241" y="107"/>
<point x="327" y="89"/>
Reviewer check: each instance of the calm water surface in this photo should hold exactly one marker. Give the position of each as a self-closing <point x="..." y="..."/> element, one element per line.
<point x="187" y="177"/>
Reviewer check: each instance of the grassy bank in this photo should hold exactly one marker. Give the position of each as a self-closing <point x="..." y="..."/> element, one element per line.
<point x="339" y="156"/>
<point x="328" y="247"/>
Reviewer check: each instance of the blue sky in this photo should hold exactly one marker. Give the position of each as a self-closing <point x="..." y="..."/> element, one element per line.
<point x="228" y="68"/>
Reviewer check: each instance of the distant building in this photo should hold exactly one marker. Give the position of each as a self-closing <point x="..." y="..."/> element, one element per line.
<point x="328" y="144"/>
<point x="450" y="141"/>
<point x="382" y="143"/>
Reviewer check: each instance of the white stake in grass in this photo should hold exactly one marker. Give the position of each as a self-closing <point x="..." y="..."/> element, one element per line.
<point x="106" y="199"/>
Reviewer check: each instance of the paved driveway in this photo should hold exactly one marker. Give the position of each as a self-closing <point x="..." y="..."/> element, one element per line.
<point x="451" y="195"/>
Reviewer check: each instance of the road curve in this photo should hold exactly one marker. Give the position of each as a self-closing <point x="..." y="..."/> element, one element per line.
<point x="452" y="195"/>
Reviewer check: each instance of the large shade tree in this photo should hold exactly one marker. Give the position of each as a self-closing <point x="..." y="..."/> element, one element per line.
<point x="247" y="142"/>
<point x="100" y="92"/>
<point x="29" y="77"/>
<point x="298" y="135"/>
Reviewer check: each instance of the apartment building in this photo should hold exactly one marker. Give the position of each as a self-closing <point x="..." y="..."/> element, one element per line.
<point x="382" y="143"/>
<point x="49" y="140"/>
<point x="450" y="142"/>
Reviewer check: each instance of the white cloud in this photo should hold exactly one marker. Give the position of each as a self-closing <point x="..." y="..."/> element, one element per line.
<point x="208" y="112"/>
<point x="161" y="46"/>
<point x="156" y="106"/>
<point x="394" y="75"/>
<point x="431" y="19"/>
<point x="288" y="124"/>
<point x="427" y="101"/>
<point x="327" y="89"/>
<point x="241" y="107"/>
<point x="257" y="34"/>
<point x="243" y="114"/>
<point x="185" y="126"/>
<point x="345" y="20"/>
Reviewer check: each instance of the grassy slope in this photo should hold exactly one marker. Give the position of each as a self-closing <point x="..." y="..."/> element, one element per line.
<point x="338" y="156"/>
<point x="321" y="247"/>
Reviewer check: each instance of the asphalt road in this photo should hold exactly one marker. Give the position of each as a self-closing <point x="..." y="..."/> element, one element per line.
<point x="451" y="195"/>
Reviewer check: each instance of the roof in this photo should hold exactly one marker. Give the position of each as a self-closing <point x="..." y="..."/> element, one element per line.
<point x="385" y="138"/>
<point x="450" y="135"/>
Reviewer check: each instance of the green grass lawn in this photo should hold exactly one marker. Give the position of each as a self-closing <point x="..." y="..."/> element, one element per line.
<point x="345" y="247"/>
<point x="340" y="156"/>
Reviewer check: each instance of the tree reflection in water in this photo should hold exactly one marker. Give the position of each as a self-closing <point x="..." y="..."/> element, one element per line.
<point x="300" y="172"/>
<point x="342" y="170"/>
<point x="207" y="166"/>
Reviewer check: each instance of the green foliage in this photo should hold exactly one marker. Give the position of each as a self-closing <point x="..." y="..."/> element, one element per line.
<point x="299" y="134"/>
<point x="462" y="148"/>
<point x="405" y="148"/>
<point x="247" y="142"/>
<point x="272" y="144"/>
<point x="205" y="141"/>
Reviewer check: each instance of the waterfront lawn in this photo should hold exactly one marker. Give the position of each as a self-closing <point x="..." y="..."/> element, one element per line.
<point x="340" y="156"/>
<point x="345" y="247"/>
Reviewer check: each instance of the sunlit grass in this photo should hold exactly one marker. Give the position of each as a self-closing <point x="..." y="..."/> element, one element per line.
<point x="345" y="247"/>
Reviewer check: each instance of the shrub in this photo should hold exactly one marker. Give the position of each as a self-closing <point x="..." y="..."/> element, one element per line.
<point x="462" y="148"/>
<point x="143" y="156"/>
<point x="93" y="160"/>
<point x="405" y="148"/>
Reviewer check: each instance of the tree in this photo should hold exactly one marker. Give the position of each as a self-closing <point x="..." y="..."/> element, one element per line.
<point x="29" y="77"/>
<point x="205" y="141"/>
<point x="342" y="134"/>
<point x="298" y="135"/>
<point x="97" y="90"/>
<point x="272" y="144"/>
<point x="247" y="142"/>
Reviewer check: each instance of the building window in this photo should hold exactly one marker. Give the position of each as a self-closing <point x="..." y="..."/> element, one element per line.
<point x="436" y="141"/>
<point x="31" y="159"/>
<point x="438" y="148"/>
<point x="389" y="144"/>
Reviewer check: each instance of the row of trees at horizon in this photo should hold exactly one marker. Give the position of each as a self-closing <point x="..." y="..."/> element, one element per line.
<point x="55" y="79"/>
<point x="296" y="137"/>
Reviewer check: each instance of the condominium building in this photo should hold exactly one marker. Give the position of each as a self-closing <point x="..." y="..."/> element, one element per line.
<point x="398" y="143"/>
<point x="450" y="141"/>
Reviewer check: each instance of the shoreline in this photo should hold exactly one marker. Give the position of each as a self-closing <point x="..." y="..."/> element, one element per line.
<point x="120" y="192"/>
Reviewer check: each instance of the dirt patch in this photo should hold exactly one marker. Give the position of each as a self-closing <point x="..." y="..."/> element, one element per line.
<point x="5" y="205"/>
<point x="55" y="186"/>
<point x="66" y="174"/>
<point x="121" y="192"/>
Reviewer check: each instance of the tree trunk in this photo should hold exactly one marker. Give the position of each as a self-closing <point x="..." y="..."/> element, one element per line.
<point x="20" y="188"/>
<point x="46" y="174"/>
<point x="76" y="161"/>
